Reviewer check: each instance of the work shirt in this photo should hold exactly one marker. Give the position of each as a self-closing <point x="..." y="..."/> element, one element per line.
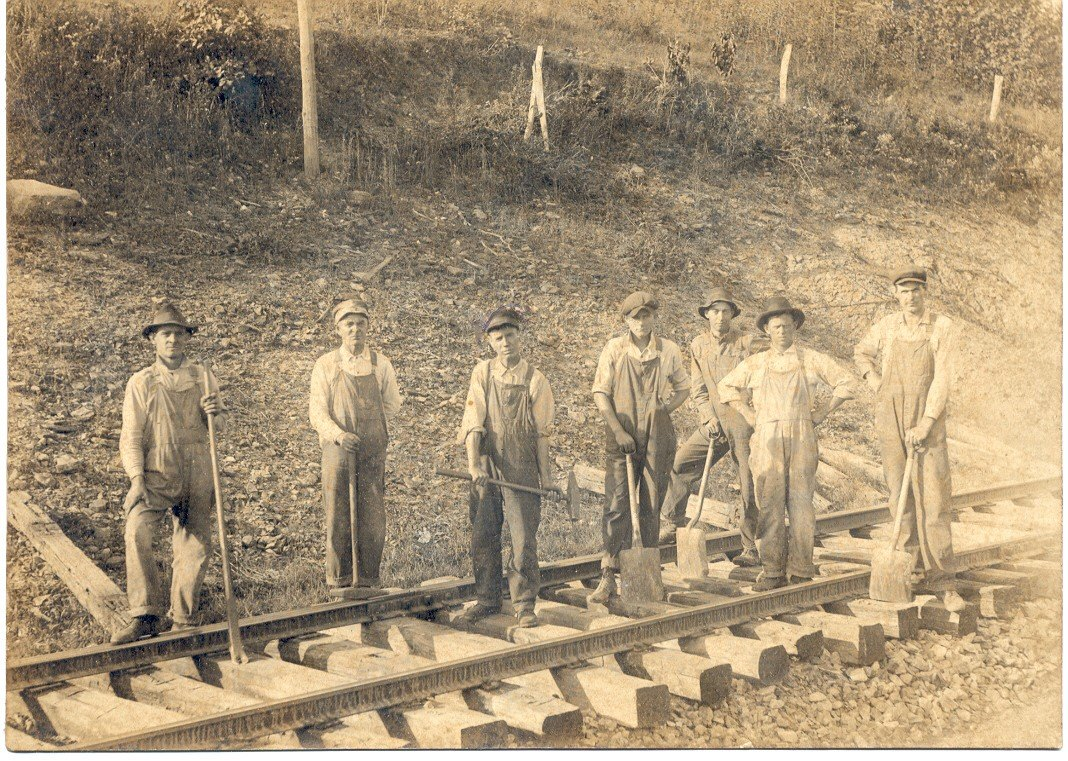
<point x="356" y="366"/>
<point x="543" y="407"/>
<point x="135" y="407"/>
<point x="673" y="376"/>
<point x="818" y="368"/>
<point x="717" y="355"/>
<point x="939" y="331"/>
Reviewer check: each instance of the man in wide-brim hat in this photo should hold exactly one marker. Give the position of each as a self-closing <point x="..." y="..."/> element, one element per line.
<point x="715" y="353"/>
<point x="353" y="395"/>
<point x="775" y="392"/>
<point x="911" y="385"/>
<point x="165" y="452"/>
<point x="640" y="381"/>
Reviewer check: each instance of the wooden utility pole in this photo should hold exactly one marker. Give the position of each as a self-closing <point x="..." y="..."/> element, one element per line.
<point x="537" y="100"/>
<point x="310" y="95"/>
<point x="784" y="70"/>
<point x="995" y="101"/>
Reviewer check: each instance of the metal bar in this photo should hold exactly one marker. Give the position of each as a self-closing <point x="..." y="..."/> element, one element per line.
<point x="333" y="703"/>
<point x="55" y="667"/>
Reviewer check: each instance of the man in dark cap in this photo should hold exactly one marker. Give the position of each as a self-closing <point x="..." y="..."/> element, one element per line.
<point x="165" y="452"/>
<point x="714" y="354"/>
<point x="640" y="381"/>
<point x="774" y="392"/>
<point x="353" y="395"/>
<point x="507" y="422"/>
<point x="911" y="385"/>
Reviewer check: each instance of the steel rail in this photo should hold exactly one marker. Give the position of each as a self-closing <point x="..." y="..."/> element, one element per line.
<point x="335" y="702"/>
<point x="55" y="667"/>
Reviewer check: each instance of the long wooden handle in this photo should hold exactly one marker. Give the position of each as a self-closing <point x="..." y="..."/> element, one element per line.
<point x="902" y="498"/>
<point x="464" y="476"/>
<point x="237" y="650"/>
<point x="352" y="519"/>
<point x="704" y="483"/>
<point x="632" y="490"/>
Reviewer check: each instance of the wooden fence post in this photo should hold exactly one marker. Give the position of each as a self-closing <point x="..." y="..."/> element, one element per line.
<point x="310" y="110"/>
<point x="784" y="70"/>
<point x="537" y="100"/>
<point x="995" y="101"/>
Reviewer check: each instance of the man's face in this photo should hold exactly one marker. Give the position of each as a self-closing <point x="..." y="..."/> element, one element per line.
<point x="719" y="317"/>
<point x="780" y="330"/>
<point x="353" y="330"/>
<point x="505" y="341"/>
<point x="641" y="322"/>
<point x="169" y="342"/>
<point x="911" y="296"/>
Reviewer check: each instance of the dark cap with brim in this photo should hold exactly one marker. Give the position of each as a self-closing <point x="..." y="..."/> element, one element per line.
<point x="909" y="274"/>
<point x="500" y="317"/>
<point x="168" y="314"/>
<point x="775" y="306"/>
<point x="638" y="300"/>
<point x="350" y="306"/>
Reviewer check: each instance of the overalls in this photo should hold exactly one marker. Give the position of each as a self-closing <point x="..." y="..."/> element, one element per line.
<point x="178" y="482"/>
<point x="900" y="406"/>
<point x="783" y="460"/>
<point x="356" y="406"/>
<point x="636" y="397"/>
<point x="509" y="452"/>
<point x="733" y="437"/>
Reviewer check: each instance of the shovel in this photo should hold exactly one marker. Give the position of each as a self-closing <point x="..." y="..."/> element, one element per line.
<point x="690" y="544"/>
<point x="572" y="495"/>
<point x="639" y="566"/>
<point x="891" y="568"/>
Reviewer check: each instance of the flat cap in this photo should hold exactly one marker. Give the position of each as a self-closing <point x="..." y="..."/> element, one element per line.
<point x="638" y="300"/>
<point x="350" y="306"/>
<point x="167" y="314"/>
<point x="718" y="293"/>
<point x="777" y="305"/>
<point x="502" y="316"/>
<point x="910" y="274"/>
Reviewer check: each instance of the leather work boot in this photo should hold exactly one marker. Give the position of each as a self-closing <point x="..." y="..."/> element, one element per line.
<point x="800" y="579"/>
<point x="606" y="589"/>
<point x="527" y="619"/>
<point x="478" y="611"/>
<point x="766" y="584"/>
<point x="141" y="626"/>
<point x="747" y="559"/>
<point x="953" y="602"/>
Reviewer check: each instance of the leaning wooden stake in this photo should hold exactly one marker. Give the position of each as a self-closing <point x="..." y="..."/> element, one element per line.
<point x="784" y="70"/>
<point x="537" y="100"/>
<point x="237" y="651"/>
<point x="310" y="112"/>
<point x="995" y="101"/>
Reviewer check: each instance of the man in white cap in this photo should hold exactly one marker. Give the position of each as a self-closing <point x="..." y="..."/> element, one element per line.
<point x="165" y="452"/>
<point x="353" y="395"/>
<point x="780" y="383"/>
<point x="641" y="379"/>
<point x="911" y="385"/>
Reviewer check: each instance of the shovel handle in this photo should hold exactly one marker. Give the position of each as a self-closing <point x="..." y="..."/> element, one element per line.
<point x="704" y="483"/>
<point x="463" y="476"/>
<point x="902" y="498"/>
<point x="632" y="491"/>
<point x="351" y="457"/>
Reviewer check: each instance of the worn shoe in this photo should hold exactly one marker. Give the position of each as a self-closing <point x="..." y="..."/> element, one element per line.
<point x="141" y="626"/>
<point x="527" y="619"/>
<point x="953" y="602"/>
<point x="767" y="584"/>
<point x="747" y="559"/>
<point x="606" y="589"/>
<point x="800" y="579"/>
<point x="478" y="611"/>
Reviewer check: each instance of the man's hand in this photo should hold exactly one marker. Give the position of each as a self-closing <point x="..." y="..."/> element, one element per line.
<point x="916" y="437"/>
<point x="548" y="484"/>
<point x="350" y="442"/>
<point x="874" y="380"/>
<point x="479" y="476"/>
<point x="819" y="415"/>
<point x="211" y="404"/>
<point x="137" y="493"/>
<point x="625" y="442"/>
<point x="712" y="428"/>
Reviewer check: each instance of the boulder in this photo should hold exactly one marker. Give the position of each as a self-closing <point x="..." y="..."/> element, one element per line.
<point x="34" y="199"/>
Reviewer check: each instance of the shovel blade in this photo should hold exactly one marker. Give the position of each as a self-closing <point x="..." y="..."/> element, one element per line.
<point x="639" y="575"/>
<point x="891" y="575"/>
<point x="692" y="553"/>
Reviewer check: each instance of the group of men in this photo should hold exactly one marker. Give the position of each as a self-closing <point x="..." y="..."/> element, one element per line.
<point x="754" y="395"/>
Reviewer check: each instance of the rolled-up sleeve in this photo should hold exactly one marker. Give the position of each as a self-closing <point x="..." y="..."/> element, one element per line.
<point x="387" y="382"/>
<point x="866" y="353"/>
<point x="604" y="380"/>
<point x="474" y="419"/>
<point x="544" y="406"/>
<point x="938" y="393"/>
<point x="131" y="438"/>
<point x="318" y="411"/>
<point x="734" y="384"/>
<point x="833" y="374"/>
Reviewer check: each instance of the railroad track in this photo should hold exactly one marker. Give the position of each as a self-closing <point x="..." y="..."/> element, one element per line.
<point x="402" y="669"/>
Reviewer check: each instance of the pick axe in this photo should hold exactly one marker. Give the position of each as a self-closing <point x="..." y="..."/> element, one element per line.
<point x="571" y="494"/>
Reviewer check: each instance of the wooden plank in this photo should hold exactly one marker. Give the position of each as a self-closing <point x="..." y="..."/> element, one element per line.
<point x="165" y="689"/>
<point x="803" y="642"/>
<point x="85" y="714"/>
<point x="992" y="600"/>
<point x="1022" y="581"/>
<point x="856" y="642"/>
<point x="94" y="590"/>
<point x="444" y="726"/>
<point x="855" y="466"/>
<point x="1045" y="576"/>
<point x="899" y="620"/>
<point x="725" y="569"/>
<point x="934" y="616"/>
<point x="710" y="585"/>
